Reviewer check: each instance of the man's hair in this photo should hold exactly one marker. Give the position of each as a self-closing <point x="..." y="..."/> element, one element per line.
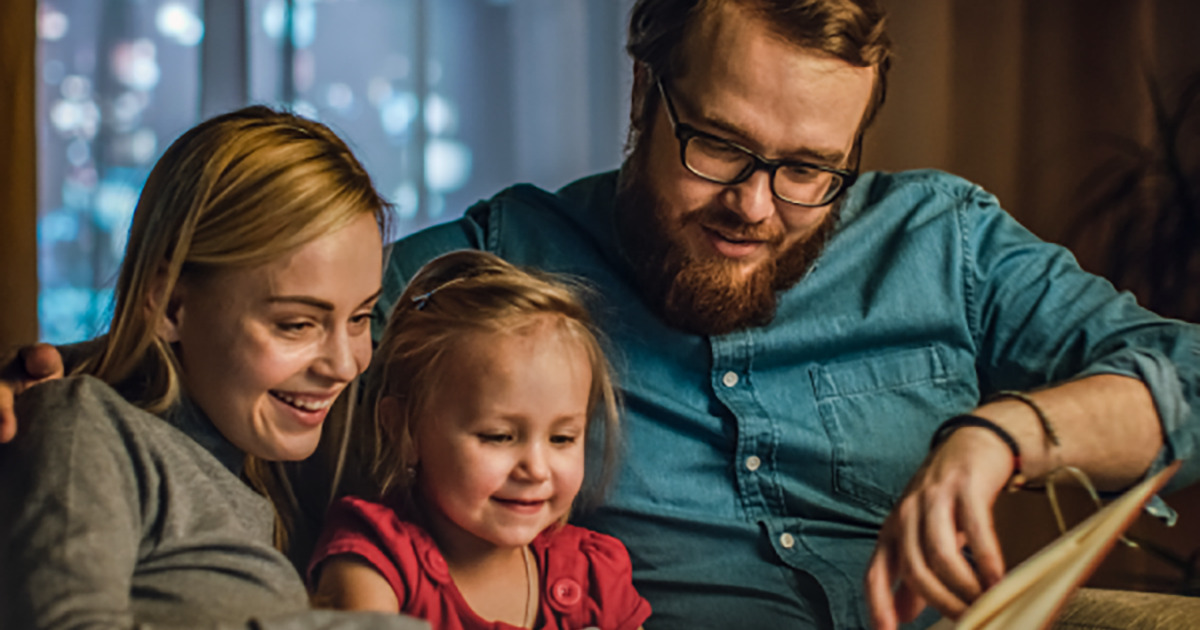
<point x="851" y="30"/>
<point x="451" y="301"/>
<point x="236" y="191"/>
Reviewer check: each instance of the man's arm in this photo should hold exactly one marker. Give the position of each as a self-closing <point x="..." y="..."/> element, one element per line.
<point x="1107" y="426"/>
<point x="20" y="370"/>
<point x="1120" y="385"/>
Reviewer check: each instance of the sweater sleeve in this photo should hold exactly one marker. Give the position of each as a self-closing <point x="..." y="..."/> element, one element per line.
<point x="73" y="491"/>
<point x="69" y="540"/>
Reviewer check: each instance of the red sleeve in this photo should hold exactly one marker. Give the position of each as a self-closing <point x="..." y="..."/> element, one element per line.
<point x="612" y="603"/>
<point x="371" y="532"/>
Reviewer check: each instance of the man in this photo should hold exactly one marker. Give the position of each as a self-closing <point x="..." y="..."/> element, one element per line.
<point x="790" y="335"/>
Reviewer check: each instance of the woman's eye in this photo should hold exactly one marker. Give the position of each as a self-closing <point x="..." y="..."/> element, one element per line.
<point x="293" y="327"/>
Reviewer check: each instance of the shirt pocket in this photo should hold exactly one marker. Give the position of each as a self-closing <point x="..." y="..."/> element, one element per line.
<point x="880" y="413"/>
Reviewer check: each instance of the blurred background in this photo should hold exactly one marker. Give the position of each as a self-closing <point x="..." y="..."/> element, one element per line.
<point x="1081" y="115"/>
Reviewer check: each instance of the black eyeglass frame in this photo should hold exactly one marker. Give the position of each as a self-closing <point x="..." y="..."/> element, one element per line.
<point x="685" y="132"/>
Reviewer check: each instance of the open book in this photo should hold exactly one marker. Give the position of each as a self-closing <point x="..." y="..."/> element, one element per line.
<point x="1030" y="596"/>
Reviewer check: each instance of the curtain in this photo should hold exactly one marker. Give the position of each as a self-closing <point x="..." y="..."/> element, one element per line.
<point x="1020" y="96"/>
<point x="18" y="180"/>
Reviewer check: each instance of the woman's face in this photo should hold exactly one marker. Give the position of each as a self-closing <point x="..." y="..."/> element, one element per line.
<point x="266" y="350"/>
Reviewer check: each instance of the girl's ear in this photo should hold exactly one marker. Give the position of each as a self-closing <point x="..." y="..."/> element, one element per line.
<point x="169" y="318"/>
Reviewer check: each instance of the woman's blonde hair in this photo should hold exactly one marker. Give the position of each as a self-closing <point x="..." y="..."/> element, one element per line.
<point x="236" y="191"/>
<point x="451" y="297"/>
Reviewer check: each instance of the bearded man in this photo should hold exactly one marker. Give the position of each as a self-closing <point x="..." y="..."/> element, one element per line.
<point x="790" y="334"/>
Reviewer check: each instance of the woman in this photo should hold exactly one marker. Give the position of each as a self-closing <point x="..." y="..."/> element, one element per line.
<point x="242" y="311"/>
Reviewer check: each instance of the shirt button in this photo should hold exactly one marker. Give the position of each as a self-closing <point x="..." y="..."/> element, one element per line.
<point x="753" y="462"/>
<point x="786" y="540"/>
<point x="730" y="379"/>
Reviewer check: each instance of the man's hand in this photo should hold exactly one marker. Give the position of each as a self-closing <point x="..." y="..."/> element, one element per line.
<point x="27" y="367"/>
<point x="947" y="506"/>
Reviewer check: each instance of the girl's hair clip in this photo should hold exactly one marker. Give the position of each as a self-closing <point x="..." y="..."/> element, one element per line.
<point x="421" y="300"/>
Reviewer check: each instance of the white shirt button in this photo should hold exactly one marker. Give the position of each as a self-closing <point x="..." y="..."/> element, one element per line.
<point x="730" y="379"/>
<point x="753" y="462"/>
<point x="786" y="540"/>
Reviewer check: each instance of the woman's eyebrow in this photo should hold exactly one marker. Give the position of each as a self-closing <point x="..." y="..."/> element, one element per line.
<point x="301" y="299"/>
<point x="316" y="302"/>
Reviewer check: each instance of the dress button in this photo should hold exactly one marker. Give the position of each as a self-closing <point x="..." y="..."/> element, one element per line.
<point x="753" y="462"/>
<point x="787" y="540"/>
<point x="730" y="379"/>
<point x="435" y="565"/>
<point x="566" y="592"/>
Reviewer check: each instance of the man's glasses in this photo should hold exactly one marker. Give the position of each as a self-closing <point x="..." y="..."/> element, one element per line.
<point x="724" y="162"/>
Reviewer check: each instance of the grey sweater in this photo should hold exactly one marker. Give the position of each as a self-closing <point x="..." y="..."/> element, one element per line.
<point x="111" y="517"/>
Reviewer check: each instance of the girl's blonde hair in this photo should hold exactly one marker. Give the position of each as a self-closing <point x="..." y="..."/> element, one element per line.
<point x="236" y="191"/>
<point x="475" y="292"/>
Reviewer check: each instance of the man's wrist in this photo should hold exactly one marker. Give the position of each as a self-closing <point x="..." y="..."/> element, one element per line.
<point x="1016" y="478"/>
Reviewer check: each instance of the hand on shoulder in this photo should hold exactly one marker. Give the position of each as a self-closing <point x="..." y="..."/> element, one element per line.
<point x="20" y="370"/>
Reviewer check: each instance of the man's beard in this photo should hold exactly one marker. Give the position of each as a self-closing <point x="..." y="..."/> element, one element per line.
<point x="709" y="296"/>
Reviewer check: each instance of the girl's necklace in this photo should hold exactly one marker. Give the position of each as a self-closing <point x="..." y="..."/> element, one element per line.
<point x="530" y="578"/>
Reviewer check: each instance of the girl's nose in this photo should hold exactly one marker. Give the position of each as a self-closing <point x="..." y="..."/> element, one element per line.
<point x="533" y="465"/>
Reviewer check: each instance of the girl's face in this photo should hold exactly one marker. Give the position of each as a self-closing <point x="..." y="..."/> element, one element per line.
<point x="266" y="350"/>
<point x="501" y="445"/>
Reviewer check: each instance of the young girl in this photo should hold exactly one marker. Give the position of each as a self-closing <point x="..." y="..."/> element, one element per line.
<point x="489" y="385"/>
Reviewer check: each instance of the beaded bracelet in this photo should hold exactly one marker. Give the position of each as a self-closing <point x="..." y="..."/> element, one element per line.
<point x="947" y="428"/>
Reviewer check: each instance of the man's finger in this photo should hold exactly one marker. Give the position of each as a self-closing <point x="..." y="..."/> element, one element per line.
<point x="881" y="574"/>
<point x="40" y="361"/>
<point x="920" y="578"/>
<point x="909" y="604"/>
<point x="943" y="552"/>
<point x="8" y="420"/>
<point x="983" y="541"/>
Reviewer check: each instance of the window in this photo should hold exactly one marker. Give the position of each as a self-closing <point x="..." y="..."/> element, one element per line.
<point x="445" y="101"/>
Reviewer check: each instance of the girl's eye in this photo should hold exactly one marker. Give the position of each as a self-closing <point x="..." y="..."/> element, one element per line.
<point x="563" y="439"/>
<point x="495" y="438"/>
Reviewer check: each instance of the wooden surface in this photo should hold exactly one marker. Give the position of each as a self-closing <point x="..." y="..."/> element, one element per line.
<point x="18" y="173"/>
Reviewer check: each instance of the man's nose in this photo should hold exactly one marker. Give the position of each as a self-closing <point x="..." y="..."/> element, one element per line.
<point x="752" y="199"/>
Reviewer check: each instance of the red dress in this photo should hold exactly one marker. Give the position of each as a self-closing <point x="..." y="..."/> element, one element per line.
<point x="586" y="578"/>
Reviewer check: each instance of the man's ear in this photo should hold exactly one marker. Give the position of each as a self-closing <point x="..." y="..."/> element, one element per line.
<point x="168" y="319"/>
<point x="642" y="83"/>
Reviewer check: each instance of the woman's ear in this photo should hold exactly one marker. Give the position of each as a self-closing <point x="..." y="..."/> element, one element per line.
<point x="166" y="308"/>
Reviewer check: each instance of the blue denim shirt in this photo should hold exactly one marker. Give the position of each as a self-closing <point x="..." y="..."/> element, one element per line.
<point x="760" y="464"/>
